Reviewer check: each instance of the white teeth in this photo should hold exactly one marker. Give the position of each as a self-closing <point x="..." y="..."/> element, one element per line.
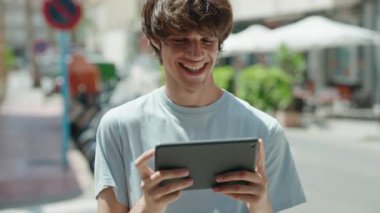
<point x="193" y="68"/>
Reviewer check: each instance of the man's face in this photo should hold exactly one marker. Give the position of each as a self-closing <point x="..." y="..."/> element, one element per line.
<point x="188" y="60"/>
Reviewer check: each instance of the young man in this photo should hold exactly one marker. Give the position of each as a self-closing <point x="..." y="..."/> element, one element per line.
<point x="187" y="36"/>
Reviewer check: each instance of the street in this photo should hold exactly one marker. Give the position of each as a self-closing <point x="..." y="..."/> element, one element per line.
<point x="339" y="166"/>
<point x="338" y="163"/>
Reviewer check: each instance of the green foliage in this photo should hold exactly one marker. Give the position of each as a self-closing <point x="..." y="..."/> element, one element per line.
<point x="292" y="63"/>
<point x="224" y="77"/>
<point x="107" y="71"/>
<point x="269" y="89"/>
<point x="9" y="58"/>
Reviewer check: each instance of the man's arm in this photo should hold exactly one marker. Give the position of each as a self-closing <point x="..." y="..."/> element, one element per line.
<point x="156" y="197"/>
<point x="107" y="202"/>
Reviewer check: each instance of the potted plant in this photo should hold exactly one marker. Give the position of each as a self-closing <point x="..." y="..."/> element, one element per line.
<point x="293" y="63"/>
<point x="269" y="89"/>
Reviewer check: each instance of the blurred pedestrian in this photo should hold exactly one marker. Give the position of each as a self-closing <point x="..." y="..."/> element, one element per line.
<point x="187" y="37"/>
<point x="84" y="85"/>
<point x="84" y="78"/>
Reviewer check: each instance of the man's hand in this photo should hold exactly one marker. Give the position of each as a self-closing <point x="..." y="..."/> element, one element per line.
<point x="255" y="193"/>
<point x="156" y="198"/>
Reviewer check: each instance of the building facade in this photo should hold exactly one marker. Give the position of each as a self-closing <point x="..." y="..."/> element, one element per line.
<point x="354" y="70"/>
<point x="113" y="28"/>
<point x="16" y="24"/>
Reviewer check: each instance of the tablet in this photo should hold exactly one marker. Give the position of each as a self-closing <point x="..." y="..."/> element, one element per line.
<point x="206" y="159"/>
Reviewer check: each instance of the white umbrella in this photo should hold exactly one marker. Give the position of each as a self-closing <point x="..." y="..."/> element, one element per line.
<point x="255" y="38"/>
<point x="317" y="31"/>
<point x="307" y="34"/>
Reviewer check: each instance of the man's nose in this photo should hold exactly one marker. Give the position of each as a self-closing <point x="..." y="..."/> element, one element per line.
<point x="195" y="50"/>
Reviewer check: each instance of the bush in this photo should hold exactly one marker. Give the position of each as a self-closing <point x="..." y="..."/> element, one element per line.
<point x="292" y="63"/>
<point x="269" y="89"/>
<point x="224" y="77"/>
<point x="10" y="61"/>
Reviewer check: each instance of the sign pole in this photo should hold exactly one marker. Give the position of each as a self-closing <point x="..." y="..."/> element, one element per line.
<point x="63" y="15"/>
<point x="65" y="123"/>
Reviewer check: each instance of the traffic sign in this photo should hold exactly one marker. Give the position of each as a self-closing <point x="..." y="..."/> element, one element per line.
<point x="40" y="46"/>
<point x="62" y="14"/>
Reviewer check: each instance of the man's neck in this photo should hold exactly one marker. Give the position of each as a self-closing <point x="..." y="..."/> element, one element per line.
<point x="198" y="98"/>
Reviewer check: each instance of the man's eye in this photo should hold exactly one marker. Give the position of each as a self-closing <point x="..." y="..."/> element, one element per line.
<point x="179" y="41"/>
<point x="208" y="41"/>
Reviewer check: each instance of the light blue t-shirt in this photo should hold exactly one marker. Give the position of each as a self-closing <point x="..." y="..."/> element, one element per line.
<point x="125" y="132"/>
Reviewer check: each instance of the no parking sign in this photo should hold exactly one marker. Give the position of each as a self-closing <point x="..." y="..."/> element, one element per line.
<point x="62" y="14"/>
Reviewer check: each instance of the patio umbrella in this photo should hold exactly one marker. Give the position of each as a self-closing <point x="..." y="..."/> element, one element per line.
<point x="320" y="32"/>
<point x="255" y="38"/>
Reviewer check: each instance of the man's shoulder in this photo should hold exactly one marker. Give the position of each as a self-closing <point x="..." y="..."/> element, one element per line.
<point x="138" y="103"/>
<point x="245" y="109"/>
<point x="133" y="109"/>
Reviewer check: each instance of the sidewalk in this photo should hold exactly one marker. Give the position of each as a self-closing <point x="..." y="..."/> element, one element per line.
<point x="32" y="178"/>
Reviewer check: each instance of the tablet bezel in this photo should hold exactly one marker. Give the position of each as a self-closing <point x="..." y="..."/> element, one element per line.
<point x="207" y="158"/>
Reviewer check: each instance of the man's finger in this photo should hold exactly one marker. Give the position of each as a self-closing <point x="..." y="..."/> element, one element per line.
<point x="141" y="164"/>
<point x="260" y="165"/>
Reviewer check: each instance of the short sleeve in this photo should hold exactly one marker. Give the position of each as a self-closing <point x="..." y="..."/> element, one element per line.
<point x="109" y="161"/>
<point x="285" y="189"/>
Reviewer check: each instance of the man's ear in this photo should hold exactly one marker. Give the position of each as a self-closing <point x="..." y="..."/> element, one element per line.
<point x="155" y="44"/>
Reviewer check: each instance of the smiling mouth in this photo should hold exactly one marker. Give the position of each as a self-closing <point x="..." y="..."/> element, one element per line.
<point x="193" y="69"/>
